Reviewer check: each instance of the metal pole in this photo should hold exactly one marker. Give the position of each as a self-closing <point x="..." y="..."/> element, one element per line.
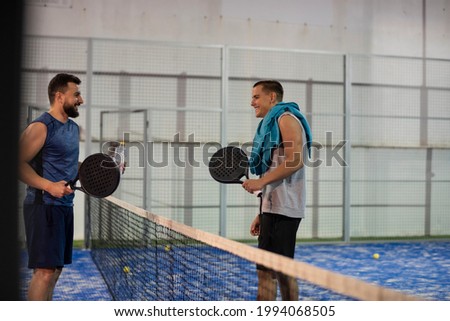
<point x="347" y="148"/>
<point x="223" y="137"/>
<point x="88" y="137"/>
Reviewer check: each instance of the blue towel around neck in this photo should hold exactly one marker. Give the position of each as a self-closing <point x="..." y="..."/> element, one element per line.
<point x="268" y="136"/>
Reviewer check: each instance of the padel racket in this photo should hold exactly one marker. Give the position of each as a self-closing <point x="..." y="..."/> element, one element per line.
<point x="229" y="165"/>
<point x="99" y="176"/>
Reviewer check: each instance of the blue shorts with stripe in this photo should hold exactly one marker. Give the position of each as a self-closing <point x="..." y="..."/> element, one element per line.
<point x="49" y="234"/>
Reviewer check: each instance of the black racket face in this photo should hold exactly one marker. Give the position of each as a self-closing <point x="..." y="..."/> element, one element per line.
<point x="99" y="175"/>
<point x="229" y="165"/>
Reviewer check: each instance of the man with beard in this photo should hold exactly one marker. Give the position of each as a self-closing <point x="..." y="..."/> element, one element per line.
<point x="49" y="149"/>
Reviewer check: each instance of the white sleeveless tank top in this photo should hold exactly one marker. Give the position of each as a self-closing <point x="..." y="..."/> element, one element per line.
<point x="288" y="196"/>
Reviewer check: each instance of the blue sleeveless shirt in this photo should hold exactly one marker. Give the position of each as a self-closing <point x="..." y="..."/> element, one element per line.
<point x="57" y="160"/>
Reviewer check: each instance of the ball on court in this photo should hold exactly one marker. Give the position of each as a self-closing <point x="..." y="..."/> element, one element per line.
<point x="126" y="269"/>
<point x="167" y="248"/>
<point x="376" y="256"/>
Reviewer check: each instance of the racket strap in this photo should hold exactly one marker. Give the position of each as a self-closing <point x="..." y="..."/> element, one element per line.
<point x="260" y="203"/>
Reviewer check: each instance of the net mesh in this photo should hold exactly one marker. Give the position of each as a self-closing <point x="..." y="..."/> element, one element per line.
<point x="142" y="256"/>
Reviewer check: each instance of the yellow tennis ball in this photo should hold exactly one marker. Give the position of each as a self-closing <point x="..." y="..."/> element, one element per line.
<point x="376" y="256"/>
<point x="167" y="248"/>
<point x="126" y="269"/>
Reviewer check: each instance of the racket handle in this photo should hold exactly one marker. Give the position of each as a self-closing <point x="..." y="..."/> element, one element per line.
<point x="257" y="193"/>
<point x="71" y="184"/>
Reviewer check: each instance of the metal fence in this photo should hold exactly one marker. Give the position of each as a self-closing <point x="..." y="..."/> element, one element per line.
<point x="380" y="166"/>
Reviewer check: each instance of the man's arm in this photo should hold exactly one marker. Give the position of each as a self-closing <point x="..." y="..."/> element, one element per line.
<point x="31" y="142"/>
<point x="291" y="133"/>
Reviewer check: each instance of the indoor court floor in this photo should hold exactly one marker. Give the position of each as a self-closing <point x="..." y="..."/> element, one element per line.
<point x="417" y="268"/>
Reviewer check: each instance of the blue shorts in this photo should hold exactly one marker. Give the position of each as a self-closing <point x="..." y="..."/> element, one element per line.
<point x="278" y="234"/>
<point x="49" y="234"/>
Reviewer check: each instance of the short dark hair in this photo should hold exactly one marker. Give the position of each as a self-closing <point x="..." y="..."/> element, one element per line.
<point x="271" y="86"/>
<point x="59" y="83"/>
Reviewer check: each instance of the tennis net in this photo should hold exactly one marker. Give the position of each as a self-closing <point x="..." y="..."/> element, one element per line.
<point x="143" y="256"/>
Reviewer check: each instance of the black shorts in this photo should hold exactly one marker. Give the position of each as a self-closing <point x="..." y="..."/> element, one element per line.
<point x="278" y="234"/>
<point x="49" y="233"/>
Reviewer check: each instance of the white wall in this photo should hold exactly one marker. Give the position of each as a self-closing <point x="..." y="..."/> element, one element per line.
<point x="385" y="27"/>
<point x="390" y="27"/>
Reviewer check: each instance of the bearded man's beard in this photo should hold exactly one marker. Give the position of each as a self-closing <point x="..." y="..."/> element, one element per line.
<point x="71" y="110"/>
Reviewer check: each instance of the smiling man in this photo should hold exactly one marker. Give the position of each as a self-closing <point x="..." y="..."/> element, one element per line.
<point x="48" y="158"/>
<point x="280" y="149"/>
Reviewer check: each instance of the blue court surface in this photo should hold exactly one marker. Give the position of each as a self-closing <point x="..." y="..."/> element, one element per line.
<point x="79" y="281"/>
<point x="417" y="268"/>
